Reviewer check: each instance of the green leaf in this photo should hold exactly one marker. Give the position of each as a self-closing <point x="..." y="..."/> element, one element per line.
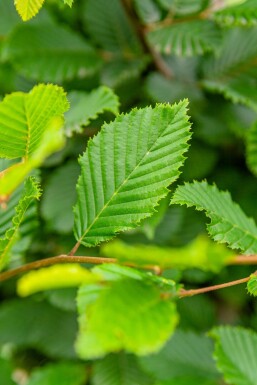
<point x="87" y="106"/>
<point x="252" y="285"/>
<point x="148" y="11"/>
<point x="233" y="71"/>
<point x="6" y="372"/>
<point x="185" y="359"/>
<point x="68" y="2"/>
<point x="31" y="192"/>
<point x="119" y="369"/>
<point x="53" y="54"/>
<point x="60" y="192"/>
<point x="229" y="224"/>
<point x="21" y="326"/>
<point x="28" y="8"/>
<point x="57" y="276"/>
<point x="63" y="373"/>
<point x="201" y="253"/>
<point x="109" y="26"/>
<point x="186" y="39"/>
<point x="244" y="14"/>
<point x="235" y="353"/>
<point x="126" y="170"/>
<point x="130" y="314"/>
<point x="251" y="148"/>
<point x="25" y="117"/>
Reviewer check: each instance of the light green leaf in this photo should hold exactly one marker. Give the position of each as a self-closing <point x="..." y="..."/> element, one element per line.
<point x="129" y="314"/>
<point x="31" y="192"/>
<point x="186" y="357"/>
<point x="87" y="106"/>
<point x="53" y="54"/>
<point x="57" y="276"/>
<point x="235" y="353"/>
<point x="68" y="2"/>
<point x="25" y="117"/>
<point x="252" y="285"/>
<point x="233" y="71"/>
<point x="148" y="11"/>
<point x="119" y="369"/>
<point x="244" y="14"/>
<point x="28" y="8"/>
<point x="229" y="224"/>
<point x="60" y="192"/>
<point x="186" y="39"/>
<point x="52" y="141"/>
<point x="108" y="25"/>
<point x="127" y="168"/>
<point x="201" y="253"/>
<point x="251" y="148"/>
<point x="63" y="373"/>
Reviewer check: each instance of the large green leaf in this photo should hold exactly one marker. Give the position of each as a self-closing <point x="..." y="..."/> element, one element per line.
<point x="107" y="23"/>
<point x="87" y="106"/>
<point x="127" y="168"/>
<point x="185" y="359"/>
<point x="28" y="8"/>
<point x="21" y="326"/>
<point x="129" y="314"/>
<point x="63" y="373"/>
<point x="233" y="71"/>
<point x="235" y="353"/>
<point x="25" y="117"/>
<point x="30" y="193"/>
<point x="244" y="14"/>
<point x="53" y="53"/>
<point x="229" y="224"/>
<point x="119" y="369"/>
<point x="186" y="39"/>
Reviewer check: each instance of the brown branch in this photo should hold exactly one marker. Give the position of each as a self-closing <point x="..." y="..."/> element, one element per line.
<point x="68" y="259"/>
<point x="190" y="293"/>
<point x="243" y="260"/>
<point x="158" y="61"/>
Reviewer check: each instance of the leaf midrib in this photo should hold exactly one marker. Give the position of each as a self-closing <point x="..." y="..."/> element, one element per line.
<point x="125" y="181"/>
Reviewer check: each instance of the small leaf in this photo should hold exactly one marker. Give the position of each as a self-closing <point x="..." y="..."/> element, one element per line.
<point x="252" y="285"/>
<point x="31" y="192"/>
<point x="235" y="353"/>
<point x="186" y="39"/>
<point x="57" y="276"/>
<point x="229" y="224"/>
<point x="63" y="373"/>
<point x="129" y="314"/>
<point x="87" y="106"/>
<point x="126" y="170"/>
<point x="28" y="8"/>
<point x="244" y="14"/>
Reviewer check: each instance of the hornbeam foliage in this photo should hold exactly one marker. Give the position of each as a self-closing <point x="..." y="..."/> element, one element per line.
<point x="235" y="353"/>
<point x="186" y="39"/>
<point x="229" y="224"/>
<point x="244" y="14"/>
<point x="28" y="8"/>
<point x="31" y="192"/>
<point x="127" y="168"/>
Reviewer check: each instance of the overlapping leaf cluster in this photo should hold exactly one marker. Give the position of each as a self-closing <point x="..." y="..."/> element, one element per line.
<point x="137" y="176"/>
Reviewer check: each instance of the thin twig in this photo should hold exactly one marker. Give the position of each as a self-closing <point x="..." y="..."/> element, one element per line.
<point x="63" y="258"/>
<point x="243" y="260"/>
<point x="158" y="61"/>
<point x="190" y="293"/>
<point x="74" y="249"/>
